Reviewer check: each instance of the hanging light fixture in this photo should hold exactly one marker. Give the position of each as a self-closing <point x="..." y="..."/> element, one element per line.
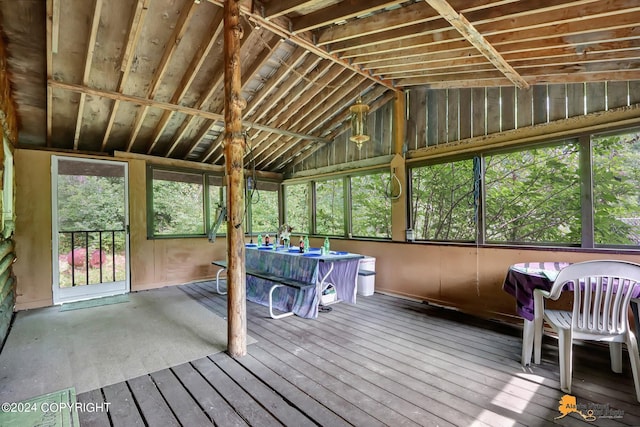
<point x="359" y="113"/>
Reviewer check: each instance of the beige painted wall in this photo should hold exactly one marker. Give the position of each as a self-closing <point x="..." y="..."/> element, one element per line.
<point x="457" y="276"/>
<point x="154" y="263"/>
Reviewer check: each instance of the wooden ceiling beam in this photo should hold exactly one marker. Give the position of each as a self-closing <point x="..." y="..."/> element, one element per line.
<point x="208" y="42"/>
<point x="375" y="99"/>
<point x="561" y="77"/>
<point x="312" y="68"/>
<point x="167" y="106"/>
<point x="290" y="78"/>
<point x="300" y="111"/>
<point x="91" y="45"/>
<point x="577" y="39"/>
<point x="436" y="28"/>
<point x="315" y="116"/>
<point x="53" y="36"/>
<point x="285" y="106"/>
<point x="278" y="8"/>
<point x="214" y="85"/>
<point x="258" y="62"/>
<point x="293" y="62"/>
<point x="336" y="120"/>
<point x="474" y="37"/>
<point x="282" y="30"/>
<point x="170" y="48"/>
<point x="339" y="12"/>
<point x="513" y="53"/>
<point x="507" y="21"/>
<point x="133" y="35"/>
<point x="394" y="22"/>
<point x="381" y="22"/>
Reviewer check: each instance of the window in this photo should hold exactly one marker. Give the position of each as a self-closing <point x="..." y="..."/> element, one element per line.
<point x="264" y="207"/>
<point x="177" y="203"/>
<point x="330" y="207"/>
<point x="442" y="201"/>
<point x="296" y="207"/>
<point x="217" y="205"/>
<point x="616" y="189"/>
<point x="533" y="196"/>
<point x="370" y="205"/>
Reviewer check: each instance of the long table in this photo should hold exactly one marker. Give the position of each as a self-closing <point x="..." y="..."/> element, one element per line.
<point x="339" y="269"/>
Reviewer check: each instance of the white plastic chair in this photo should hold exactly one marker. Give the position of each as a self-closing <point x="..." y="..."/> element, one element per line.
<point x="602" y="293"/>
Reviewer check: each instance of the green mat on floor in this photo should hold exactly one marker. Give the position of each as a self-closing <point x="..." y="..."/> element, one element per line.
<point x="116" y="299"/>
<point x="57" y="409"/>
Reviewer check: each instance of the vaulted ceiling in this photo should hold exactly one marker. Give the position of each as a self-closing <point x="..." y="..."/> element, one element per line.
<point x="146" y="76"/>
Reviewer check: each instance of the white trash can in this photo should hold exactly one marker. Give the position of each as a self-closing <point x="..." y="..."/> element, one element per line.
<point x="366" y="281"/>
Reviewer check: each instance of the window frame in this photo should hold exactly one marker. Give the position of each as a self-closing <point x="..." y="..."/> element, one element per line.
<point x="583" y="142"/>
<point x="206" y="202"/>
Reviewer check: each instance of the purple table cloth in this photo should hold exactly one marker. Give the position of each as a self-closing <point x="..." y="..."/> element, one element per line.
<point x="523" y="278"/>
<point x="342" y="270"/>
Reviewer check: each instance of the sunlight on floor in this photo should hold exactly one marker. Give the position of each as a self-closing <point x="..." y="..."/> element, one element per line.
<point x="492" y="419"/>
<point x="516" y="395"/>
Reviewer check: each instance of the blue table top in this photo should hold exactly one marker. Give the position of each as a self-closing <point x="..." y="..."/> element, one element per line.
<point x="312" y="253"/>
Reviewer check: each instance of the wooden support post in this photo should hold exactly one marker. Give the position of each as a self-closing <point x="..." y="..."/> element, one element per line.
<point x="399" y="205"/>
<point x="234" y="153"/>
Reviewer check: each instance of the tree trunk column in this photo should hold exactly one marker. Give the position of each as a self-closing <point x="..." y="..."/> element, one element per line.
<point x="234" y="168"/>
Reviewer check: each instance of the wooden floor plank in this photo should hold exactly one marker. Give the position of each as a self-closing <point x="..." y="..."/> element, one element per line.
<point x="610" y="383"/>
<point x="383" y="361"/>
<point x="351" y="411"/>
<point x="152" y="405"/>
<point x="250" y="410"/>
<point x="282" y="410"/>
<point x="91" y="418"/>
<point x="416" y="380"/>
<point x="319" y="413"/>
<point x="123" y="410"/>
<point x="185" y="408"/>
<point x="209" y="399"/>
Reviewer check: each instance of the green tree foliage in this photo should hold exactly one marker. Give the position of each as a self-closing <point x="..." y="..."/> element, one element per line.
<point x="533" y="196"/>
<point x="370" y="205"/>
<point x="330" y="207"/>
<point x="91" y="203"/>
<point x="297" y="200"/>
<point x="264" y="211"/>
<point x="443" y="202"/>
<point x="178" y="207"/>
<point x="616" y="189"/>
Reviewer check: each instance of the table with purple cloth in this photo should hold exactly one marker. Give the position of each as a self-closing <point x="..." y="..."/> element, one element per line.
<point x="522" y="279"/>
<point x="339" y="269"/>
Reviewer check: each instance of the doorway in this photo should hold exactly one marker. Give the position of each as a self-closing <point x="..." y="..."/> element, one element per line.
<point x="90" y="228"/>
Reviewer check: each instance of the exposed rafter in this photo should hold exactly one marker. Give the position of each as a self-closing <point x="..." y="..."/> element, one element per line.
<point x="478" y="41"/>
<point x="145" y="102"/>
<point x="283" y="31"/>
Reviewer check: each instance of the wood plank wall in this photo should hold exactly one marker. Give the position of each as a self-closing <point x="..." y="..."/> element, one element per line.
<point x="447" y="115"/>
<point x="438" y="116"/>
<point x="343" y="151"/>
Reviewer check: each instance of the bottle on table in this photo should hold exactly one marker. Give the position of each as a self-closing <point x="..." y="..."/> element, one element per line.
<point x="259" y="240"/>
<point x="301" y="244"/>
<point x="306" y="243"/>
<point x="325" y="247"/>
<point x="266" y="239"/>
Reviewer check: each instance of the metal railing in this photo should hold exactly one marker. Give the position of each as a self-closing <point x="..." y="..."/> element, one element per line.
<point x="87" y="247"/>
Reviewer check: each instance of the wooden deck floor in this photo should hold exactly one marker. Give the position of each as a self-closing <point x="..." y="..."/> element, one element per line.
<point x="383" y="361"/>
